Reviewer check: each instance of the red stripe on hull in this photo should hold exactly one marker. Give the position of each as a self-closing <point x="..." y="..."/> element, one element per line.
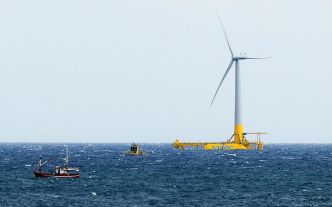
<point x="46" y="175"/>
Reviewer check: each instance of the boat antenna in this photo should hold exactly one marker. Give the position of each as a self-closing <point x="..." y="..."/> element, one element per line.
<point x="67" y="156"/>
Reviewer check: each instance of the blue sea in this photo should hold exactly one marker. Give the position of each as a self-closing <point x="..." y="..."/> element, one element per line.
<point x="280" y="175"/>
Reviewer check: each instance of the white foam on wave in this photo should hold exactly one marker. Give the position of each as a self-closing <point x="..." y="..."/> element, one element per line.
<point x="134" y="168"/>
<point x="54" y="196"/>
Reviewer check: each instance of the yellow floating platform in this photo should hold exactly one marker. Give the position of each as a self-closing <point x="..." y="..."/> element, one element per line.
<point x="228" y="145"/>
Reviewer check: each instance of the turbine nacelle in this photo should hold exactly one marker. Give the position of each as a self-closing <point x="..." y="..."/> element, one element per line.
<point x="239" y="57"/>
<point x="243" y="56"/>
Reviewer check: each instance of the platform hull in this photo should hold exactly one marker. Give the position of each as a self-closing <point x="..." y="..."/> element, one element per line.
<point x="226" y="146"/>
<point x="219" y="145"/>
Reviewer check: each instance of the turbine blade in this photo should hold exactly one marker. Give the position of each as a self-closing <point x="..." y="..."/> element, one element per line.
<point x="227" y="70"/>
<point x="256" y="58"/>
<point x="223" y="28"/>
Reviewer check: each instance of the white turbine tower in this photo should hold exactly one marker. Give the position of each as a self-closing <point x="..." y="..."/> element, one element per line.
<point x="238" y="125"/>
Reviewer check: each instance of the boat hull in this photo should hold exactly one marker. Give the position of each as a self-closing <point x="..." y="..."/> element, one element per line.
<point x="55" y="175"/>
<point x="134" y="154"/>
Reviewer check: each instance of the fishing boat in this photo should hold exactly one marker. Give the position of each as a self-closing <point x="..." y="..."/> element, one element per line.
<point x="63" y="171"/>
<point x="134" y="151"/>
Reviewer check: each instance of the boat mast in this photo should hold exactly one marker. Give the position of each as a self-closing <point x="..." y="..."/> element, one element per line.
<point x="40" y="158"/>
<point x="41" y="163"/>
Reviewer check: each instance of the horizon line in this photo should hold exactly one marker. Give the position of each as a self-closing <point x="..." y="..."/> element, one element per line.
<point x="60" y="142"/>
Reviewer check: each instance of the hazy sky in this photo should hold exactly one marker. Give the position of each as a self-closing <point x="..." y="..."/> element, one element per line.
<point x="146" y="71"/>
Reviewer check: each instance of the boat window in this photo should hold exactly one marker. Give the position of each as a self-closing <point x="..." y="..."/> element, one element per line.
<point x="133" y="148"/>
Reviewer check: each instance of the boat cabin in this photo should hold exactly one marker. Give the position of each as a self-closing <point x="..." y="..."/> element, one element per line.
<point x="134" y="151"/>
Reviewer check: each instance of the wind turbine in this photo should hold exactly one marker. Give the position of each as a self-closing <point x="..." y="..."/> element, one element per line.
<point x="238" y="125"/>
<point x="239" y="142"/>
